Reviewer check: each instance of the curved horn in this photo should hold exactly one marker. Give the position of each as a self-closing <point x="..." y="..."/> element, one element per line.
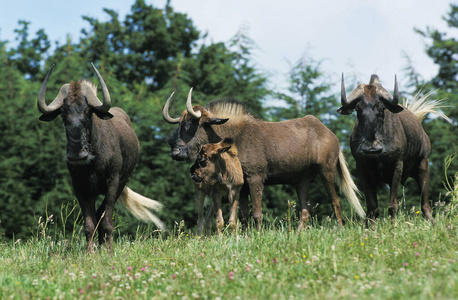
<point x="165" y="112"/>
<point x="57" y="102"/>
<point x="194" y="114"/>
<point x="396" y="92"/>
<point x="386" y="96"/>
<point x="92" y="98"/>
<point x="343" y="94"/>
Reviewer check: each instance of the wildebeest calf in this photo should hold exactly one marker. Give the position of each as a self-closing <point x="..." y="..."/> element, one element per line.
<point x="217" y="172"/>
<point x="102" y="150"/>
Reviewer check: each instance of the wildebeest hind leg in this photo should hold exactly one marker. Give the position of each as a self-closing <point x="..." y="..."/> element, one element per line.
<point x="302" y="190"/>
<point x="256" y="189"/>
<point x="328" y="177"/>
<point x="422" y="179"/>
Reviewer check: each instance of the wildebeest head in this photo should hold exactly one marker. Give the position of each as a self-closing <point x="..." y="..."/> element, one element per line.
<point x="371" y="102"/>
<point x="76" y="102"/>
<point x="193" y="130"/>
<point x="205" y="167"/>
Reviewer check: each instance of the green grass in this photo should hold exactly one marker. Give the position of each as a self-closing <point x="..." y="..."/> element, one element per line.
<point x="410" y="260"/>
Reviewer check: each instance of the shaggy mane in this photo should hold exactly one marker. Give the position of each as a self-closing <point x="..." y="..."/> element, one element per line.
<point x="420" y="106"/>
<point x="90" y="84"/>
<point x="228" y="108"/>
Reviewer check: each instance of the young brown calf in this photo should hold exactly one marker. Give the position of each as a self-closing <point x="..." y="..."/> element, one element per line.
<point x="218" y="173"/>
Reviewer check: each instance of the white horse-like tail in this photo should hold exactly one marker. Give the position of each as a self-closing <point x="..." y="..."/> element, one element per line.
<point x="140" y="206"/>
<point x="420" y="106"/>
<point x="348" y="186"/>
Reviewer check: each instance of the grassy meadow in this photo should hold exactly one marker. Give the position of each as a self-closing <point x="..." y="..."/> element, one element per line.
<point x="411" y="259"/>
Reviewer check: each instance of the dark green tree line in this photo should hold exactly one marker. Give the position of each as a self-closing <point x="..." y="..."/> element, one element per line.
<point x="144" y="57"/>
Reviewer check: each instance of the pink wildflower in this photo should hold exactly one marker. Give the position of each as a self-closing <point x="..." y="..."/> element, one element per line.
<point x="129" y="268"/>
<point x="414" y="244"/>
<point x="143" y="269"/>
<point x="417" y="254"/>
<point x="406" y="264"/>
<point x="231" y="275"/>
<point x="112" y="267"/>
<point x="174" y="276"/>
<point x="258" y="261"/>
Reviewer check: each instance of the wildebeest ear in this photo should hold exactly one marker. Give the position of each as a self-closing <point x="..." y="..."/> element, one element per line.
<point x="103" y="115"/>
<point x="224" y="149"/>
<point x="394" y="108"/>
<point x="216" y="121"/>
<point x="345" y="110"/>
<point x="348" y="108"/>
<point x="50" y="116"/>
<point x="225" y="145"/>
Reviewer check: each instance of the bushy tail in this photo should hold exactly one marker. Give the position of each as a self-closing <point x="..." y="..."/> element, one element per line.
<point x="348" y="186"/>
<point x="140" y="206"/>
<point x="420" y="106"/>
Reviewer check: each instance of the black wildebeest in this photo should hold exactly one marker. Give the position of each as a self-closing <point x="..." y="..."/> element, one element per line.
<point x="288" y="152"/>
<point x="102" y="150"/>
<point x="388" y="143"/>
<point x="218" y="172"/>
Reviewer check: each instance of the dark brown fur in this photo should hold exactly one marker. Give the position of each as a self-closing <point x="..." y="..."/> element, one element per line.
<point x="389" y="145"/>
<point x="288" y="152"/>
<point x="217" y="172"/>
<point x="102" y="150"/>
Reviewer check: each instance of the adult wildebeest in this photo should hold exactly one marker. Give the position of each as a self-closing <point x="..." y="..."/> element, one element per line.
<point x="288" y="152"/>
<point x="217" y="171"/>
<point x="102" y="150"/>
<point x="388" y="143"/>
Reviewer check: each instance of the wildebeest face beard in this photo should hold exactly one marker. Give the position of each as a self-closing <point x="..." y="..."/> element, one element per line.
<point x="78" y="123"/>
<point x="371" y="116"/>
<point x="183" y="141"/>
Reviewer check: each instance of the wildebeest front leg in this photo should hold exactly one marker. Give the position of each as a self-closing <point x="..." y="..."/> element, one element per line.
<point x="105" y="213"/>
<point x="302" y="190"/>
<point x="219" y="213"/>
<point x="370" y="191"/>
<point x="200" y="199"/>
<point x="256" y="189"/>
<point x="422" y="179"/>
<point x="243" y="205"/>
<point x="234" y="196"/>
<point x="87" y="204"/>
<point x="394" y="187"/>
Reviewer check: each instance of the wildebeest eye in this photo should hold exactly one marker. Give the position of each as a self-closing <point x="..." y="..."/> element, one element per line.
<point x="202" y="160"/>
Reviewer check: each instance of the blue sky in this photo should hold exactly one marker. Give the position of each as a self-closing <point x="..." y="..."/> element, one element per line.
<point x="358" y="37"/>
